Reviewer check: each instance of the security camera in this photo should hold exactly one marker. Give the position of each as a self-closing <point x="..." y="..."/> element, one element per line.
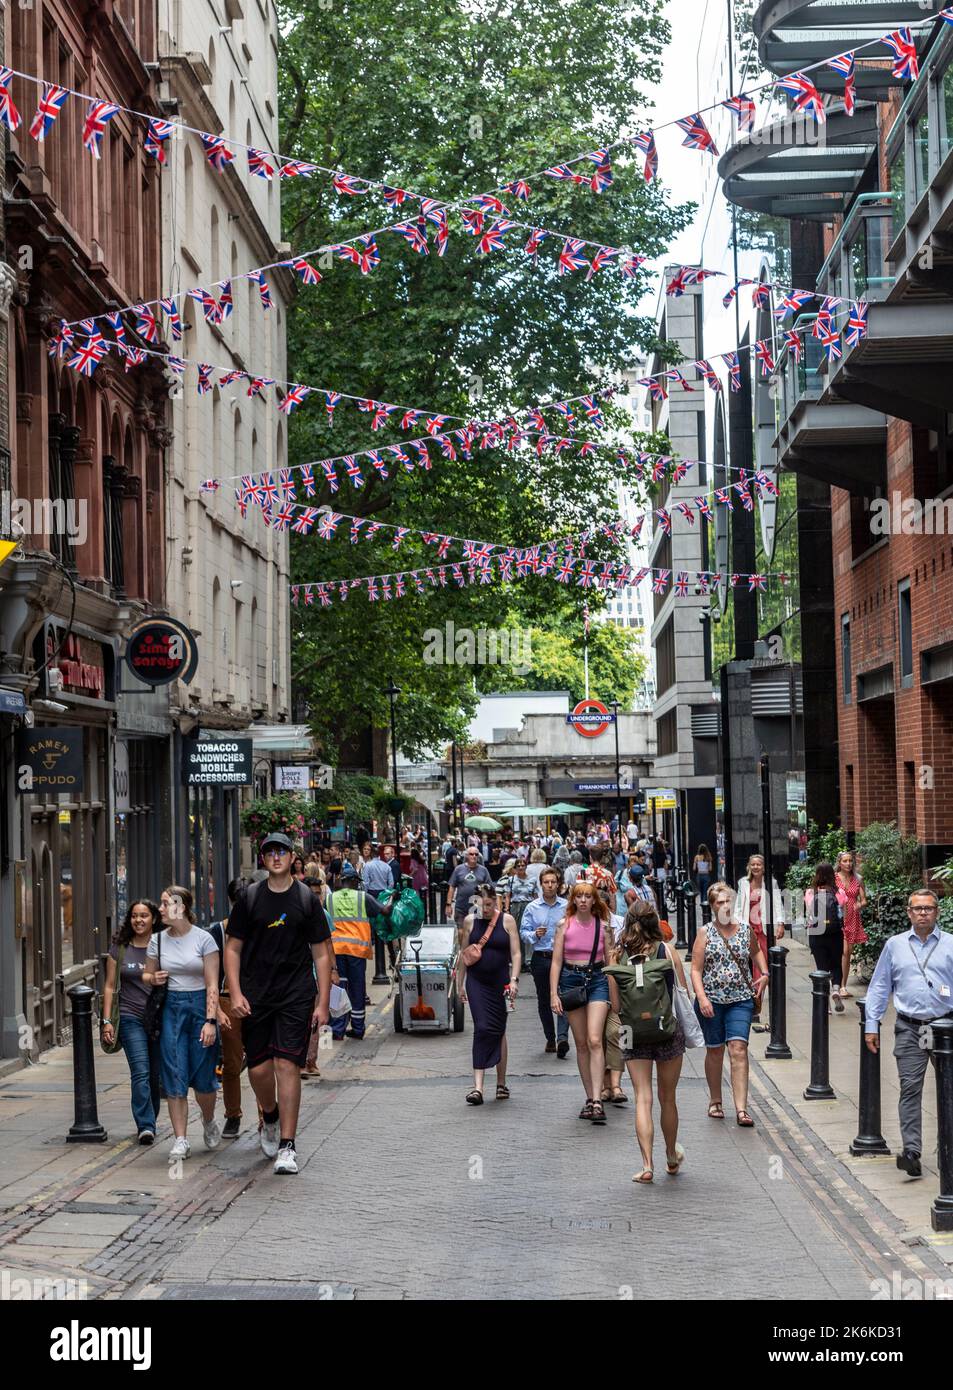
<point x="237" y="583"/>
<point x="705" y="615"/>
<point x="50" y="706"/>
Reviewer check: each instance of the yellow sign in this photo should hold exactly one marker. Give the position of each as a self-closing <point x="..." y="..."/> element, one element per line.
<point x="63" y="818"/>
<point x="6" y="549"/>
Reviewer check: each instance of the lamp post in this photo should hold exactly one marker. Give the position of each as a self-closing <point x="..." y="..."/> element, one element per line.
<point x="392" y="692"/>
<point x="615" y="706"/>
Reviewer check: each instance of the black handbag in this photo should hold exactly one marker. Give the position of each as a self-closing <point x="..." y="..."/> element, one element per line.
<point x="152" y="1018"/>
<point x="577" y="996"/>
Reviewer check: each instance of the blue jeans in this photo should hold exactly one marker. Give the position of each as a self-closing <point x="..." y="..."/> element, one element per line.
<point x="142" y="1054"/>
<point x="352" y="971"/>
<point x="731" y="1022"/>
<point x="183" y="1061"/>
<point x="598" y="989"/>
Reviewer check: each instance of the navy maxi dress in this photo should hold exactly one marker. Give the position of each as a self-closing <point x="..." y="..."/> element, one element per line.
<point x="485" y="984"/>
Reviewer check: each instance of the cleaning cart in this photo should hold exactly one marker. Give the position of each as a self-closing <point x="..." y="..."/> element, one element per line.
<point x="426" y="977"/>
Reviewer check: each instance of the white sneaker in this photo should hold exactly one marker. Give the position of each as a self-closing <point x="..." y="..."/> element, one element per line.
<point x="269" y="1136"/>
<point x="181" y="1149"/>
<point x="287" y="1160"/>
<point x="212" y="1133"/>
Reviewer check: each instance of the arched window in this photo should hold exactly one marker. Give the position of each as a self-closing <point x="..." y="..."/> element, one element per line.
<point x="231" y="109"/>
<point x="211" y="58"/>
<point x="253" y="640"/>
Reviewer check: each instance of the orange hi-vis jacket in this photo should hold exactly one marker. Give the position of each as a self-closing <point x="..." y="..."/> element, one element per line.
<point x="350" y="924"/>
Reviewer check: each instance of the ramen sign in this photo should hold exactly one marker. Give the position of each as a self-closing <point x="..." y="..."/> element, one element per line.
<point x="590" y="718"/>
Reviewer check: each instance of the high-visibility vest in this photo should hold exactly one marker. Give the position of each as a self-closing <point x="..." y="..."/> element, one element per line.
<point x="350" y="924"/>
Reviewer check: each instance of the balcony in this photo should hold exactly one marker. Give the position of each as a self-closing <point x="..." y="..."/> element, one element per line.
<point x="793" y="34"/>
<point x="857" y="267"/>
<point x="902" y="367"/>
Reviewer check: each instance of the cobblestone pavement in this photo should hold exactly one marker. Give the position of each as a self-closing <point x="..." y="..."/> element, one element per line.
<point x="515" y="1199"/>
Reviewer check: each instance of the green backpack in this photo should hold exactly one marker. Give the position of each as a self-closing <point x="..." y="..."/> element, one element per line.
<point x="645" y="1002"/>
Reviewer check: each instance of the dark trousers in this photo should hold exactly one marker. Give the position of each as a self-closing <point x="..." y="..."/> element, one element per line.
<point x="827" y="950"/>
<point x="539" y="966"/>
<point x="352" y="971"/>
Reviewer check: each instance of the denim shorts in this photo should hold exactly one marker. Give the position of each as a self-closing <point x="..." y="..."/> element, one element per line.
<point x="731" y="1022"/>
<point x="183" y="1061"/>
<point x="598" y="989"/>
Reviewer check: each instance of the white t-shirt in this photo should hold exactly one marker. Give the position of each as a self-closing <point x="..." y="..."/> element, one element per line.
<point x="183" y="957"/>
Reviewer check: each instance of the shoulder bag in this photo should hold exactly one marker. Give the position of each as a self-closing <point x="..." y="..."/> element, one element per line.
<point x="745" y="969"/>
<point x="114" y="1011"/>
<point x="474" y="953"/>
<point x="152" y="1018"/>
<point x="685" y="1014"/>
<point x="577" y="996"/>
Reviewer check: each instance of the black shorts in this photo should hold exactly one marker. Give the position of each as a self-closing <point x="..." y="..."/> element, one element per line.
<point x="278" y="1030"/>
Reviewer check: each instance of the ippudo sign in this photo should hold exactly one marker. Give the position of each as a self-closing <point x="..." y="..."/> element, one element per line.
<point x="590" y="718"/>
<point x="160" y="651"/>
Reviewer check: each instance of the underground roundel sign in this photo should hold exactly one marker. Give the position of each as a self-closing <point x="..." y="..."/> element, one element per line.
<point x="590" y="718"/>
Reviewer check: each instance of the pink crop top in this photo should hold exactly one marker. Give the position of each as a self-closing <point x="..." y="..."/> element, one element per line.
<point x="577" y="943"/>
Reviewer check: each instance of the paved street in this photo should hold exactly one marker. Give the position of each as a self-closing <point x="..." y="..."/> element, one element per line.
<point x="512" y="1200"/>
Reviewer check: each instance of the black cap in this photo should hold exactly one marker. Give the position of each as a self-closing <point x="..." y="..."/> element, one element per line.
<point x="276" y="839"/>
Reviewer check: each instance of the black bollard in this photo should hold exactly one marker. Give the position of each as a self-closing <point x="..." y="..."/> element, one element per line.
<point x="869" y="1139"/>
<point x="941" y="1215"/>
<point x="820" y="1087"/>
<point x="681" y="944"/>
<point x="381" y="976"/>
<point x="692" y="921"/>
<point x="86" y="1128"/>
<point x="778" y="1048"/>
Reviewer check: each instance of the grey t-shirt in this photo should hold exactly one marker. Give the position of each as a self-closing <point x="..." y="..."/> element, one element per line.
<point x="184" y="958"/>
<point x="466" y="881"/>
<point x="133" y="991"/>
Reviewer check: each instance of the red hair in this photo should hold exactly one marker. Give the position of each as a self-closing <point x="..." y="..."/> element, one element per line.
<point x="600" y="907"/>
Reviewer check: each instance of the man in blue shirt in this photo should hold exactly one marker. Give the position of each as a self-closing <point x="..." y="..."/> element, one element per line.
<point x="538" y="929"/>
<point x="915" y="967"/>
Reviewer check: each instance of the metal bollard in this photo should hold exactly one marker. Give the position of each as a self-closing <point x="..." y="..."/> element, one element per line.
<point x="778" y="1048"/>
<point x="869" y="1139"/>
<point x="381" y="976"/>
<point x="820" y="1087"/>
<point x="86" y="1128"/>
<point x="681" y="944"/>
<point x="692" y="922"/>
<point x="941" y="1215"/>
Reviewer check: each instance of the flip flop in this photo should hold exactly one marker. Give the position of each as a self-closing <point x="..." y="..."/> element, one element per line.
<point x="672" y="1168"/>
<point x="747" y="1122"/>
<point x="474" y="1097"/>
<point x="619" y="1097"/>
<point x="645" y="1176"/>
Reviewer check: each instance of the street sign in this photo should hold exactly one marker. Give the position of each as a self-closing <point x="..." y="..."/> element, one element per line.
<point x="590" y="718"/>
<point x="292" y="777"/>
<point x="6" y="549"/>
<point x="217" y="762"/>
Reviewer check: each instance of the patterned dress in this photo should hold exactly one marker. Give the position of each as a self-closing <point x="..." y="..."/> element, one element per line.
<point x="848" y="897"/>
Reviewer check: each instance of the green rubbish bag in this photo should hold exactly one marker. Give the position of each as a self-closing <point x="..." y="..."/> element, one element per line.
<point x="405" y="918"/>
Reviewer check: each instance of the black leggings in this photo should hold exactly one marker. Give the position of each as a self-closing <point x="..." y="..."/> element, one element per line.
<point x="827" y="951"/>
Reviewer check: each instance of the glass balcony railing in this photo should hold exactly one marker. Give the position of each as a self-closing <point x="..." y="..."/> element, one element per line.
<point x="920" y="141"/>
<point x="857" y="267"/>
<point x="802" y="380"/>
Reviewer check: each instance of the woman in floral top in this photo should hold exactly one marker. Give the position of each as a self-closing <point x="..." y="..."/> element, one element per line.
<point x="728" y="975"/>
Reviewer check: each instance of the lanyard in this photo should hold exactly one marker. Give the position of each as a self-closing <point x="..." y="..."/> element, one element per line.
<point x="921" y="965"/>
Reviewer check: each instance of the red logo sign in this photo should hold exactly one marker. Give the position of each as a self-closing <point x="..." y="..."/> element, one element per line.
<point x="590" y="718"/>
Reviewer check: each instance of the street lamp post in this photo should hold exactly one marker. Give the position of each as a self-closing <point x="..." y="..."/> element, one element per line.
<point x="392" y="691"/>
<point x="615" y="706"/>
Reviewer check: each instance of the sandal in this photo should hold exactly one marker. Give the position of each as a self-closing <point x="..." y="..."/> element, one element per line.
<point x="619" y="1097"/>
<point x="586" y="1111"/>
<point x="474" y="1097"/>
<point x="744" y="1120"/>
<point x="716" y="1111"/>
<point x="606" y="1093"/>
<point x="673" y="1165"/>
<point x="838" y="1004"/>
<point x="646" y="1175"/>
<point x="502" y="1092"/>
<point x="598" y="1116"/>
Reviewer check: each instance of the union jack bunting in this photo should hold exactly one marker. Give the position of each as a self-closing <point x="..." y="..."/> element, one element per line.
<point x="146" y="324"/>
<point x="442" y="235"/>
<point x="307" y="479"/>
<point x="664" y="520"/>
<point x="723" y="497"/>
<point x="435" y="424"/>
<point x="794" y="344"/>
<point x="733" y="364"/>
<point x="832" y="346"/>
<point x="747" y="501"/>
<point x="563" y="171"/>
<point x="844" y="64"/>
<point x="133" y="356"/>
<point x="225" y="303"/>
<point x="519" y="189"/>
<point x="675" y="375"/>
<point x="268" y="490"/>
<point x="157" y="132"/>
<point x="655" y="388"/>
<point x="744" y="109"/>
<point x="946" y="15"/>
<point x="792" y="303"/>
<point x="824" y="323"/>
<point x="423" y="456"/>
<point x="353" y="471"/>
<point x="295" y="591"/>
<point x="295" y="396"/>
<point x="735" y="580"/>
<point x="489" y="202"/>
<point x="766" y="484"/>
<point x="331" y="399"/>
<point x="473" y="219"/>
<point x="282" y="519"/>
<point x="757" y="581"/>
<point x="9" y="114"/>
<point x="402" y="456"/>
<point x="415" y="234"/>
<point x="50" y="105"/>
<point x="587" y="576"/>
<point x="763" y="353"/>
<point x="260" y="165"/>
<point x="209" y="303"/>
<point x="394" y="197"/>
<point x="217" y="152"/>
<point x="535" y="419"/>
<point x="646" y="143"/>
<point x="686" y="512"/>
<point x="535" y="240"/>
<point x="703" y="580"/>
<point x="566" y="411"/>
<point x="409" y="419"/>
<point x="372" y="594"/>
<point x="365" y="257"/>
<point x="857" y="323"/>
<point x="347" y="184"/>
<point x="704" y="508"/>
<point x="229" y="377"/>
<point x="329" y="525"/>
<point x="492" y="238"/>
<point x="761" y="295"/>
<point x="309" y="276"/>
<point x="170" y="309"/>
<point x="630" y="265"/>
<point x="330" y="475"/>
<point x="679" y="471"/>
<point x="294" y="168"/>
<point x="680" y="588"/>
<point x="593" y="412"/>
<point x="175" y="364"/>
<point x="659" y="468"/>
<point x="205" y="370"/>
<point x="697" y="134"/>
<point x="601" y="259"/>
<point x="88" y="356"/>
<point x="377" y="462"/>
<point x="256" y="385"/>
<point x="570" y="257"/>
<point x="98" y="116"/>
<point x="356" y="523"/>
<point x="730" y="296"/>
<point x="399" y="587"/>
<point x="660" y="581"/>
<point x="601" y="179"/>
<point x="458" y="575"/>
<point x="258" y="278"/>
<point x="118" y="327"/>
<point x="906" y="64"/>
<point x="804" y="94"/>
<point x="564" y="573"/>
<point x="709" y="373"/>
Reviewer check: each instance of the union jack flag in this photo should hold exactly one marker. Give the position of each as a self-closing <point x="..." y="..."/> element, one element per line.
<point x="794" y="344"/>
<point x="423" y="458"/>
<point x="305" y="525"/>
<point x="733" y="364"/>
<point x="88" y="355"/>
<point x="260" y="165"/>
<point x="258" y="277"/>
<point x="458" y="575"/>
<point x="747" y="501"/>
<point x="680" y="470"/>
<point x="857" y="323"/>
<point x="365" y="257"/>
<point x="446" y="446"/>
<point x="381" y="412"/>
<point x="489" y="202"/>
<point x="723" y="497"/>
<point x="9" y="114"/>
<point x="372" y="594"/>
<point x="330" y="475"/>
<point x="709" y="373"/>
<point x="157" y="132"/>
<point x="593" y="412"/>
<point x="492" y="239"/>
<point x="209" y="303"/>
<point x="438" y="216"/>
<point x="409" y="419"/>
<point x="346" y="183"/>
<point x="535" y="240"/>
<point x="416" y="235"/>
<point x="294" y="397"/>
<point x="655" y="388"/>
<point x="217" y="152"/>
<point x="377" y="462"/>
<point x="402" y="456"/>
<point x="175" y="364"/>
<point x="761" y="295"/>
<point x="473" y="219"/>
<point x="730" y="296"/>
<point x="844" y="64"/>
<point x="587" y="576"/>
<point x="435" y="424"/>
<point x="744" y="109"/>
<point x="50" y="105"/>
<point x="675" y="375"/>
<point x="146" y="325"/>
<point x="686" y="512"/>
<point x="681" y="584"/>
<point x="309" y="276"/>
<point x="269" y="490"/>
<point x="563" y="171"/>
<point x="763" y="353"/>
<point x="757" y="581"/>
<point x="704" y="508"/>
<point x="792" y="303"/>
<point x="564" y="573"/>
<point x="602" y="178"/>
<point x="519" y="189"/>
<point x="832" y="346"/>
<point x="399" y="586"/>
<point x="566" y="411"/>
<point x="307" y="479"/>
<point x="697" y="134"/>
<point x="660" y="581"/>
<point x="630" y="265"/>
<point x="646" y="143"/>
<point x="256" y="385"/>
<point x="170" y="309"/>
<point x="764" y="483"/>
<point x="294" y="168"/>
<point x="535" y="419"/>
<point x="906" y="63"/>
<point x="98" y="116"/>
<point x="570" y="257"/>
<point x="946" y="15"/>
<point x="281" y="520"/>
<point x="331" y="399"/>
<point x="295" y="591"/>
<point x="225" y="301"/>
<point x="229" y="377"/>
<point x="804" y="94"/>
<point x="329" y="524"/>
<point x="664" y="520"/>
<point x="133" y="356"/>
<point x="394" y="197"/>
<point x="205" y="370"/>
<point x="601" y="259"/>
<point x="824" y="323"/>
<point x="118" y="327"/>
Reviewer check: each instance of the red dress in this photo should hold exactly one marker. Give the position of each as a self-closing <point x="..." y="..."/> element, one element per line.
<point x="848" y="894"/>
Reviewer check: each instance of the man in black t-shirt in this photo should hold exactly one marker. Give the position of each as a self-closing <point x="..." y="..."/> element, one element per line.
<point x="274" y="953"/>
